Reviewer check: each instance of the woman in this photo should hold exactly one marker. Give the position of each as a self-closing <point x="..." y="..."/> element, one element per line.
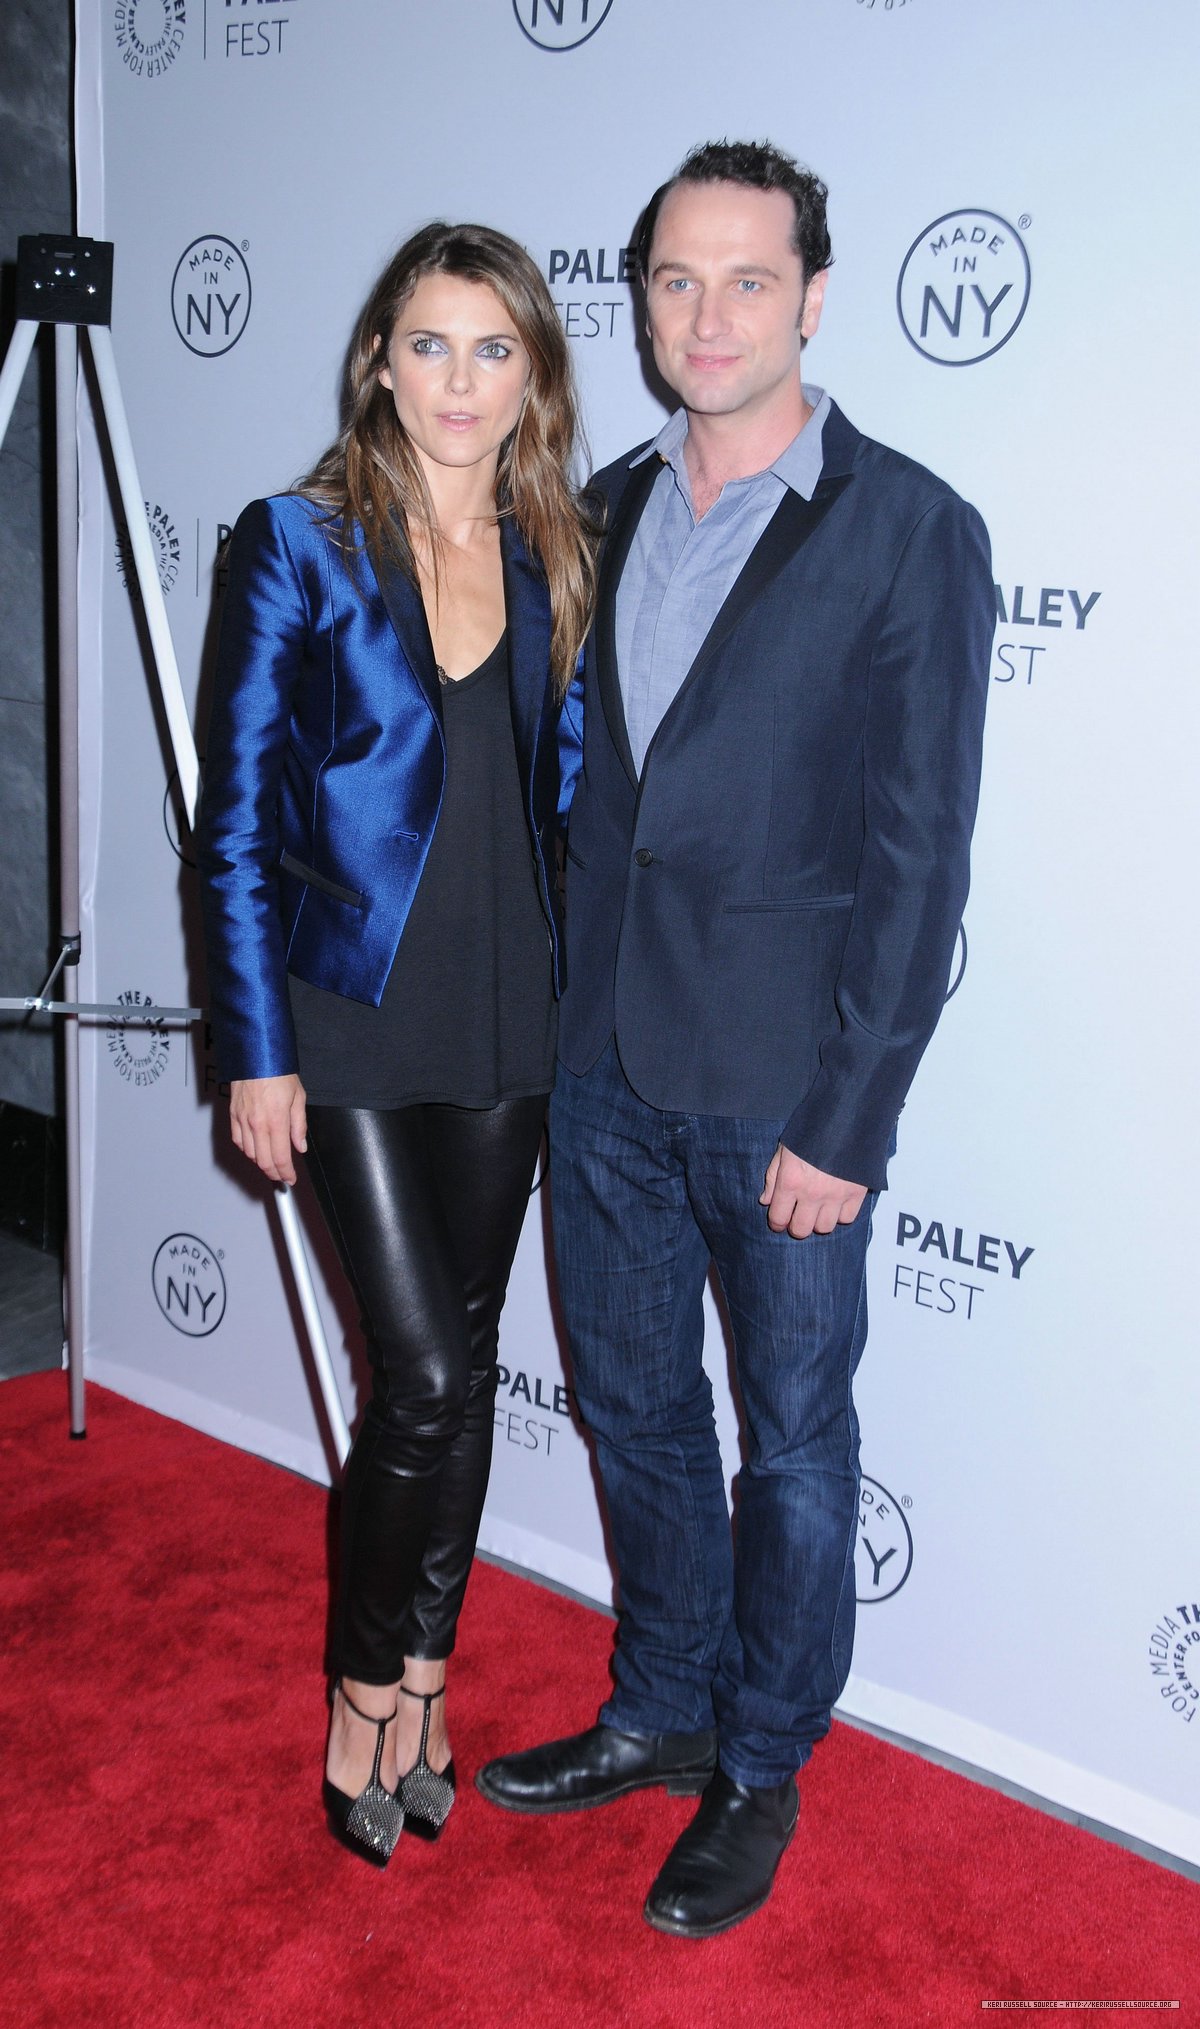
<point x="388" y="760"/>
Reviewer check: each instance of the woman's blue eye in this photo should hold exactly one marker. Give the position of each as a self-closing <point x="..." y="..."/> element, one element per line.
<point x="425" y="346"/>
<point x="494" y="349"/>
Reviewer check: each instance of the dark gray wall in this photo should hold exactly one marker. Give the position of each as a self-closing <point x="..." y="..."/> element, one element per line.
<point x="35" y="193"/>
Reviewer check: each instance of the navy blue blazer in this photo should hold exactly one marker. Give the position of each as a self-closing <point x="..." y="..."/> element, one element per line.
<point x="767" y="917"/>
<point x="325" y="768"/>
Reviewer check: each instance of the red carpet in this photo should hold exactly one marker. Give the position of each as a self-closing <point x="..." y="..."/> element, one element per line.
<point x="166" y="1863"/>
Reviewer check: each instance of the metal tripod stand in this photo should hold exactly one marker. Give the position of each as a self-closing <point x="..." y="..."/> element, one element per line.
<point x="67" y="283"/>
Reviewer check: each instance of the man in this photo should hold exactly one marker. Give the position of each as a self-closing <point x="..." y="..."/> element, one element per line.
<point x="768" y="860"/>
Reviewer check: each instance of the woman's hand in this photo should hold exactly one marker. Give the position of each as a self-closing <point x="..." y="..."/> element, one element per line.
<point x="268" y="1120"/>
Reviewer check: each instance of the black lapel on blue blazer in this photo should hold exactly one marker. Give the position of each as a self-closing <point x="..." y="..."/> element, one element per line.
<point x="406" y="611"/>
<point x="528" y="618"/>
<point x="616" y="548"/>
<point x="789" y="528"/>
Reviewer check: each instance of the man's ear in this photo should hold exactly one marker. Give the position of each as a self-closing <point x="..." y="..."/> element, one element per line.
<point x="814" y="298"/>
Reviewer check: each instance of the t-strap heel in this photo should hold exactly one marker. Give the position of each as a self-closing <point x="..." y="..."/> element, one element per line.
<point x="370" y="1823"/>
<point x="426" y="1796"/>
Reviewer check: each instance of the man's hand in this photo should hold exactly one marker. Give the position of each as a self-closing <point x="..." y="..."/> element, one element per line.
<point x="801" y="1200"/>
<point x="267" y="1118"/>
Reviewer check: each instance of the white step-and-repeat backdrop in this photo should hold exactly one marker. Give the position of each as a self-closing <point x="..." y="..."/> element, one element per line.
<point x="1013" y="302"/>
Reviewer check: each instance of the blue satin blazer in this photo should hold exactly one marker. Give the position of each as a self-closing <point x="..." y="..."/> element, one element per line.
<point x="325" y="769"/>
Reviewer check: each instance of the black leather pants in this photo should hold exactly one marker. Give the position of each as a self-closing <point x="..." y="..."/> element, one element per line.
<point x="426" y="1205"/>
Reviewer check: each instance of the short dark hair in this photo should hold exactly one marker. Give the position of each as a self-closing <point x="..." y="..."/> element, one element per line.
<point x="759" y="166"/>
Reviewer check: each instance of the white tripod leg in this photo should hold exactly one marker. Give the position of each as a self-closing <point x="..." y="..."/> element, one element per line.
<point x="184" y="747"/>
<point x="179" y="724"/>
<point x="12" y="373"/>
<point x="339" y="1430"/>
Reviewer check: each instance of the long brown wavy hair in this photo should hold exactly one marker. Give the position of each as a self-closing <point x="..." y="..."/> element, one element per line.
<point x="371" y="477"/>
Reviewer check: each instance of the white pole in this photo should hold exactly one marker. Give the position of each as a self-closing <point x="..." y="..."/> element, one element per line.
<point x="339" y="1430"/>
<point x="178" y="722"/>
<point x="12" y="373"/>
<point x="66" y="373"/>
<point x="184" y="748"/>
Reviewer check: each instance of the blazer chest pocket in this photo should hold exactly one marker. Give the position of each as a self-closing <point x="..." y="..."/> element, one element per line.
<point x="309" y="875"/>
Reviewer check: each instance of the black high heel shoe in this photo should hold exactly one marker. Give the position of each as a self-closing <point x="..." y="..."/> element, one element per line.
<point x="425" y="1795"/>
<point x="370" y="1823"/>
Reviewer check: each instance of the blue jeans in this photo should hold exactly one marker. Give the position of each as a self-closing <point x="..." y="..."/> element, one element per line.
<point x="755" y="1641"/>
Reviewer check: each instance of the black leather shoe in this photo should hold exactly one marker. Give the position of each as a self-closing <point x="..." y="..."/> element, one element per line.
<point x="722" y="1868"/>
<point x="594" y="1767"/>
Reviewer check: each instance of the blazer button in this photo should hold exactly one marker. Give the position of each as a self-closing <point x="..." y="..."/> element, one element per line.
<point x="644" y="858"/>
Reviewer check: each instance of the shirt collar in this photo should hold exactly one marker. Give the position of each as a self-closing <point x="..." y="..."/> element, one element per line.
<point x="798" y="465"/>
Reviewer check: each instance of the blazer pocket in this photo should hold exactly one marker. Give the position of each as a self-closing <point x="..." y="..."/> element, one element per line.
<point x="291" y="865"/>
<point x="791" y="902"/>
<point x="574" y="857"/>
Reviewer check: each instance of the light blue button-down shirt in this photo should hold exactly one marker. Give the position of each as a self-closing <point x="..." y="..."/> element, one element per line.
<point x="679" y="570"/>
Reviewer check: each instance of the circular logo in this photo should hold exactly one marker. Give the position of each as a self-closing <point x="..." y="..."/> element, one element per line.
<point x="560" y="24"/>
<point x="149" y="34"/>
<point x="1174" y="1653"/>
<point x="166" y="546"/>
<point x="883" y="1551"/>
<point x="141" y="1050"/>
<point x="210" y="295"/>
<point x="959" y="963"/>
<point x="963" y="287"/>
<point x="189" y="1285"/>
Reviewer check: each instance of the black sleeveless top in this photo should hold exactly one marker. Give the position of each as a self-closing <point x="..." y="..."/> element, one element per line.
<point x="468" y="1015"/>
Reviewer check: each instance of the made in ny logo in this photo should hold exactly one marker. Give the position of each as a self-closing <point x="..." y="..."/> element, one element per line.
<point x="139" y="1051"/>
<point x="963" y="287"/>
<point x="210" y="295"/>
<point x="560" y="24"/>
<point x="167" y="548"/>
<point x="189" y="1284"/>
<point x="883" y="1548"/>
<point x="149" y="34"/>
<point x="1175" y="1660"/>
